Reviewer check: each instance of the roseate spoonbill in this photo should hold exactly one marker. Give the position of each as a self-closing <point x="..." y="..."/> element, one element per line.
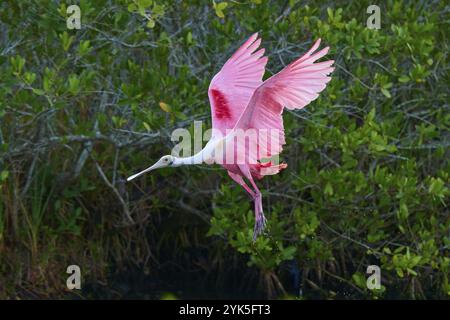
<point x="241" y="101"/>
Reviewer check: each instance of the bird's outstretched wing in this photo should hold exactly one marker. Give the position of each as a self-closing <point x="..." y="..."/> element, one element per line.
<point x="294" y="87"/>
<point x="231" y="89"/>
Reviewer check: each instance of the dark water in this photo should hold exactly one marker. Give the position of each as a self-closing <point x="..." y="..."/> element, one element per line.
<point x="134" y="284"/>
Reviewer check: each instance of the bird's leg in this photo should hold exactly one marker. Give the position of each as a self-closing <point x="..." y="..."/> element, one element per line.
<point x="239" y="180"/>
<point x="260" y="219"/>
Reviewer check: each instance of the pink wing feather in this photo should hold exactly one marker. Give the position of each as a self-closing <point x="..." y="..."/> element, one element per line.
<point x="231" y="89"/>
<point x="294" y="87"/>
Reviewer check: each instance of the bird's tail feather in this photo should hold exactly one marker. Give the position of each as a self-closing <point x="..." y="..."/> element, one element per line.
<point x="267" y="169"/>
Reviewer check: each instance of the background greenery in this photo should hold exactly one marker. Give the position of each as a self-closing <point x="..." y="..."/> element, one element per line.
<point x="80" y="110"/>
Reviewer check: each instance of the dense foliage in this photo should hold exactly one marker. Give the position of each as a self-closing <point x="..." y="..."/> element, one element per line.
<point x="80" y="110"/>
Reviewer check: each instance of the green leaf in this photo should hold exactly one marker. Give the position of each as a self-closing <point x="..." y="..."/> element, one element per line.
<point x="403" y="212"/>
<point x="84" y="47"/>
<point x="29" y="77"/>
<point x="39" y="92"/>
<point x="328" y="189"/>
<point x="151" y="23"/>
<point x="17" y="63"/>
<point x="145" y="3"/>
<point x="189" y="38"/>
<point x="219" y="7"/>
<point x="330" y="13"/>
<point x="386" y="92"/>
<point x="411" y="271"/>
<point x="4" y="175"/>
<point x="74" y="84"/>
<point x="437" y="187"/>
<point x="222" y="5"/>
<point x="132" y="7"/>
<point x="359" y="279"/>
<point x="165" y="107"/>
<point x="371" y="115"/>
<point x="66" y="40"/>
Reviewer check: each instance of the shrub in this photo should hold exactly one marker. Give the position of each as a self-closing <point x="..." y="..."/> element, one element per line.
<point x="80" y="110"/>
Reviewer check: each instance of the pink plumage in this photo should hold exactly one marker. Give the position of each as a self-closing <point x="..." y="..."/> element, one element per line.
<point x="241" y="101"/>
<point x="233" y="86"/>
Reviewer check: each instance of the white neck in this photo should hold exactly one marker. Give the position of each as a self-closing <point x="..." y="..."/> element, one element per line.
<point x="205" y="155"/>
<point x="195" y="159"/>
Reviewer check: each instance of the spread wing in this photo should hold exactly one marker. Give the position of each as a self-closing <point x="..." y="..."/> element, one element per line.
<point x="294" y="87"/>
<point x="231" y="89"/>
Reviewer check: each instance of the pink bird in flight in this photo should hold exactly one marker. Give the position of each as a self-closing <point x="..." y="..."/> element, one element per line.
<point x="247" y="115"/>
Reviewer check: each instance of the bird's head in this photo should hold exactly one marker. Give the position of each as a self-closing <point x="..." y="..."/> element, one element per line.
<point x="165" y="161"/>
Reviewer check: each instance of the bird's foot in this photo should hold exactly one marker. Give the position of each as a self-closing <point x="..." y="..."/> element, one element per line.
<point x="260" y="224"/>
